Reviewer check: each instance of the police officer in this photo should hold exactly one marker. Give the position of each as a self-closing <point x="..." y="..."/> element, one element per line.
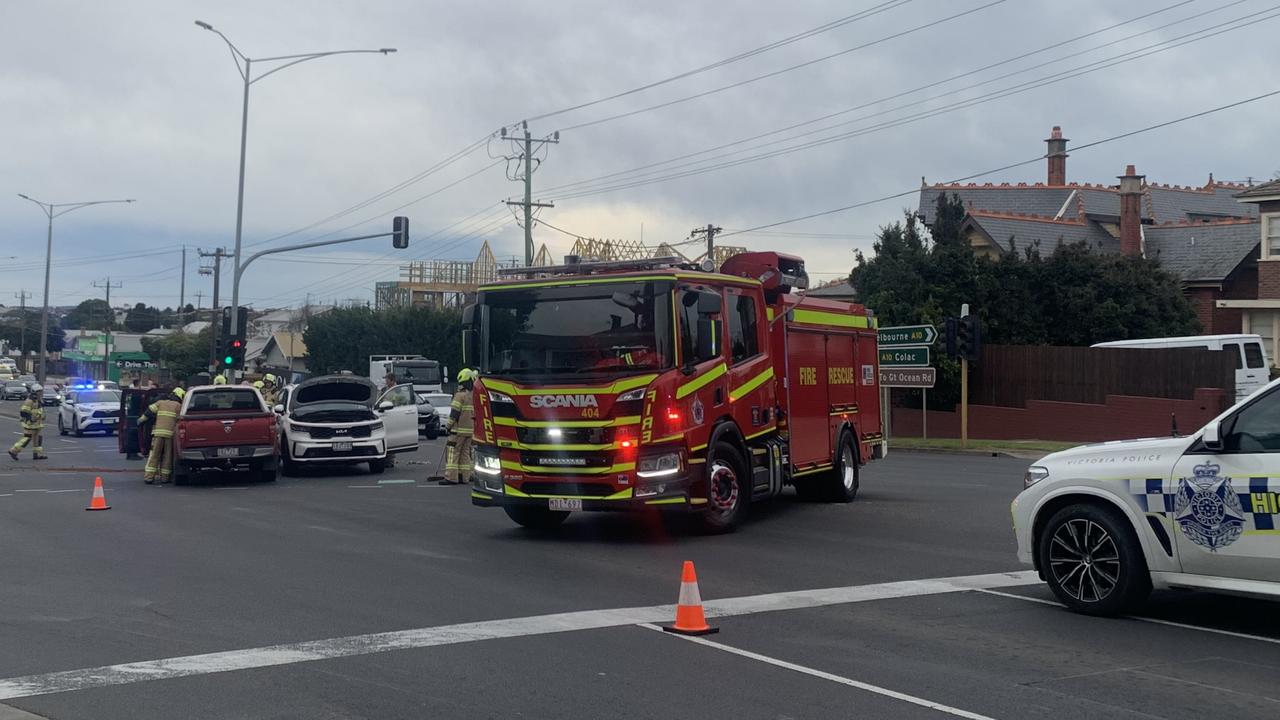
<point x="32" y="415"/>
<point x="165" y="414"/>
<point x="457" y="469"/>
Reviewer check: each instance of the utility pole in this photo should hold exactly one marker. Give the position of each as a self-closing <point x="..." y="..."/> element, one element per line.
<point x="22" y="296"/>
<point x="182" y="288"/>
<point x="710" y="231"/>
<point x="216" y="271"/>
<point x="528" y="164"/>
<point x="106" y="349"/>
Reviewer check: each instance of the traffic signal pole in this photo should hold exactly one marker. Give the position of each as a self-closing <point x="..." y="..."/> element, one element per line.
<point x="964" y="385"/>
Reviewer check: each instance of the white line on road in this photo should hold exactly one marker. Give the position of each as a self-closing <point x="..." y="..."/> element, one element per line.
<point x="51" y="492"/>
<point x="829" y="676"/>
<point x="1157" y="621"/>
<point x="355" y="645"/>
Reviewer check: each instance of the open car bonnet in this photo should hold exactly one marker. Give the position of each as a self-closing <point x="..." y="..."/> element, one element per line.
<point x="335" y="388"/>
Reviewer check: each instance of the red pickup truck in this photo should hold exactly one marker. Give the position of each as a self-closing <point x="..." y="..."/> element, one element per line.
<point x="225" y="427"/>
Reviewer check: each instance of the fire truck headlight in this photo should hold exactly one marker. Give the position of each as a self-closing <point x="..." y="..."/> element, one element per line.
<point x="632" y="395"/>
<point x="658" y="466"/>
<point x="497" y="397"/>
<point x="487" y="464"/>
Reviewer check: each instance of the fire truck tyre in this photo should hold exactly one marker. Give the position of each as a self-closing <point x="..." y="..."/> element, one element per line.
<point x="728" y="494"/>
<point x="535" y="518"/>
<point x="62" y="428"/>
<point x="377" y="466"/>
<point x="1092" y="560"/>
<point x="841" y="484"/>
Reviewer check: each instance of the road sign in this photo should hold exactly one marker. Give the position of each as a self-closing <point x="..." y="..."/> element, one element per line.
<point x="907" y="335"/>
<point x="904" y="357"/>
<point x="908" y="377"/>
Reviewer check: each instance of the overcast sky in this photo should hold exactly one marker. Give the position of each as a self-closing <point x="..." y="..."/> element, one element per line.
<point x="131" y="99"/>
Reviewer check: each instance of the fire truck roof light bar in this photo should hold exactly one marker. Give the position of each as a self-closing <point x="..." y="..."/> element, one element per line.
<point x="591" y="268"/>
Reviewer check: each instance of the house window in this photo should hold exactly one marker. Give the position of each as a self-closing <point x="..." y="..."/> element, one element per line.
<point x="1271" y="231"/>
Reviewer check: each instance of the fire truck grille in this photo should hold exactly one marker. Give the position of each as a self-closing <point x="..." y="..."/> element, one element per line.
<point x="534" y="459"/>
<point x="567" y="488"/>
<point x="565" y="436"/>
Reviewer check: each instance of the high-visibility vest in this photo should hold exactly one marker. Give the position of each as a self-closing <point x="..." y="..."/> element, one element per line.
<point x="166" y="414"/>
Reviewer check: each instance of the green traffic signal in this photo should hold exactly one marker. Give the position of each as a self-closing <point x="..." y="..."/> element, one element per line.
<point x="228" y="360"/>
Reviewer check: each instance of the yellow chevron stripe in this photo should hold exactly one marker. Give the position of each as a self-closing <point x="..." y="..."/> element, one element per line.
<point x="701" y="381"/>
<point x="752" y="384"/>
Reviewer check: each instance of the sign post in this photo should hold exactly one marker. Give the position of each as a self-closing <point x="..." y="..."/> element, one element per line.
<point x="904" y="362"/>
<point x="964" y="387"/>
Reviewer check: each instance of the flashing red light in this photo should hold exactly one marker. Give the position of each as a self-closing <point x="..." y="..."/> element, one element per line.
<point x="625" y="444"/>
<point x="673" y="415"/>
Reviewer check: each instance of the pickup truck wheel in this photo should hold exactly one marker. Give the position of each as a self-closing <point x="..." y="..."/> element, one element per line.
<point x="728" y="491"/>
<point x="535" y="518"/>
<point x="377" y="466"/>
<point x="62" y="428"/>
<point x="181" y="473"/>
<point x="1092" y="560"/>
<point x="841" y="484"/>
<point x="265" y="476"/>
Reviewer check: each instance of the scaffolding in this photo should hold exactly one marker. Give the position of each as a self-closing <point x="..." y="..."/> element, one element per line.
<point x="445" y="283"/>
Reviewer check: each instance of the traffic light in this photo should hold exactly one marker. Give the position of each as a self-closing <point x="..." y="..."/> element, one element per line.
<point x="232" y="355"/>
<point x="968" y="337"/>
<point x="949" y="328"/>
<point x="400" y="232"/>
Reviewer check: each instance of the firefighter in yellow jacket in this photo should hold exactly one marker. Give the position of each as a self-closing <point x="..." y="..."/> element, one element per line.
<point x="457" y="469"/>
<point x="164" y="412"/>
<point x="32" y="416"/>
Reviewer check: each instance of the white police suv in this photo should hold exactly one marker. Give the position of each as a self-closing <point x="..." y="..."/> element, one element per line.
<point x="1105" y="523"/>
<point x="87" y="409"/>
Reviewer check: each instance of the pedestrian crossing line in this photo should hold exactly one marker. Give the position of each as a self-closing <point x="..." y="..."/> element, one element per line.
<point x="396" y="482"/>
<point x="441" y="635"/>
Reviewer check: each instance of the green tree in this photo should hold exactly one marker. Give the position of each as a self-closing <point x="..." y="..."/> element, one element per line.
<point x="184" y="354"/>
<point x="1075" y="296"/>
<point x="142" y="318"/>
<point x="91" y="314"/>
<point x="344" y="338"/>
<point x="21" y="329"/>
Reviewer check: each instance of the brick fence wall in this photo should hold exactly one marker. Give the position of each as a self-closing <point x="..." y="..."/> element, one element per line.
<point x="1120" y="417"/>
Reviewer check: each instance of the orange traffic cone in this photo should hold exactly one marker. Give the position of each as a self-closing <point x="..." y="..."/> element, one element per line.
<point x="99" y="501"/>
<point x="689" y="617"/>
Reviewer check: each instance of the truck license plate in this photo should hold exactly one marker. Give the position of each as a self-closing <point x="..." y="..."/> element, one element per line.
<point x="228" y="452"/>
<point x="342" y="447"/>
<point x="564" y="504"/>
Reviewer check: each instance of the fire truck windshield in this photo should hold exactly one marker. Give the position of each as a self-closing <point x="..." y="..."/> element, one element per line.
<point x="602" y="328"/>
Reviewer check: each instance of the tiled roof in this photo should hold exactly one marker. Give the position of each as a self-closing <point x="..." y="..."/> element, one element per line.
<point x="1263" y="190"/>
<point x="1022" y="231"/>
<point x="1161" y="203"/>
<point x="1202" y="251"/>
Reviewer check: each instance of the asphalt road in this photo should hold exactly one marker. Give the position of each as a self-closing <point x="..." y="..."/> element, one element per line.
<point x="348" y="595"/>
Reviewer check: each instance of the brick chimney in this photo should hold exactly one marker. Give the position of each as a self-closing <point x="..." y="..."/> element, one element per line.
<point x="1057" y="154"/>
<point x="1131" y="212"/>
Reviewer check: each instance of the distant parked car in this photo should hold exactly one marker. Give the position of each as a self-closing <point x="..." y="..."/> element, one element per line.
<point x="433" y="411"/>
<point x="15" y="390"/>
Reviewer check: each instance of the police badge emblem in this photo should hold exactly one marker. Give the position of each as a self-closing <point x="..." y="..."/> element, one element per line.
<point x="1208" y="510"/>
<point x="697" y="411"/>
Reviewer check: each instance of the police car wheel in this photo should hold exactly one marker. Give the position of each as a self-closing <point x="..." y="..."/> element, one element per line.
<point x="535" y="518"/>
<point x="62" y="428"/>
<point x="1092" y="560"/>
<point x="75" y="426"/>
<point x="728" y="491"/>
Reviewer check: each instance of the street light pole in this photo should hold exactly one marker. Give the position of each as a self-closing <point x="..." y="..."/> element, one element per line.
<point x="51" y="210"/>
<point x="246" y="75"/>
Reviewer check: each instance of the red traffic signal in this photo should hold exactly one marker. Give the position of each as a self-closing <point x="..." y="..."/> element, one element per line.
<point x="400" y="232"/>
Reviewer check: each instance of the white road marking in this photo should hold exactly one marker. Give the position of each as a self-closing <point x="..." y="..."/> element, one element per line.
<point x="364" y="486"/>
<point x="51" y="492"/>
<point x="828" y="676"/>
<point x="396" y="482"/>
<point x="355" y="645"/>
<point x="6" y="494"/>
<point x="1156" y="621"/>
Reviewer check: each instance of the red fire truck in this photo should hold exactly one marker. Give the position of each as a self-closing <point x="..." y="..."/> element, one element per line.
<point x="653" y="384"/>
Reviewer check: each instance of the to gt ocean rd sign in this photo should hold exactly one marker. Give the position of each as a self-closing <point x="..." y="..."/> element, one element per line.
<point x="908" y="377"/>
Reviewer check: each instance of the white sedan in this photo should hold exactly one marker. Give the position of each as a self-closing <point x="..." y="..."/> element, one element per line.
<point x="1104" y="524"/>
<point x="84" y="411"/>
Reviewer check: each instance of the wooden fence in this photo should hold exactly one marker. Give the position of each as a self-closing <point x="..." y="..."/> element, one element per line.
<point x="1010" y="375"/>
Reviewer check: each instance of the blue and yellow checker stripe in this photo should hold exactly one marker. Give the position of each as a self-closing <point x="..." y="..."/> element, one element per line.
<point x="1261" y="502"/>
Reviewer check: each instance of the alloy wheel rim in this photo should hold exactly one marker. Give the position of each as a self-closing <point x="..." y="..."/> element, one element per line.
<point x="722" y="488"/>
<point x="846" y="468"/>
<point x="1084" y="560"/>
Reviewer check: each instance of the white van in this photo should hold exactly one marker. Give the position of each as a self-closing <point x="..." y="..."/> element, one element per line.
<point x="1252" y="369"/>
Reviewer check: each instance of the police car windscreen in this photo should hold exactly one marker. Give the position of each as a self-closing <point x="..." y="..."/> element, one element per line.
<point x="98" y="396"/>
<point x="587" y="329"/>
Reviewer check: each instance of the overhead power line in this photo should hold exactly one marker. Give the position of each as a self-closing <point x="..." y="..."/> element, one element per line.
<point x="788" y="69"/>
<point x="825" y="27"/>
<point x="1010" y="166"/>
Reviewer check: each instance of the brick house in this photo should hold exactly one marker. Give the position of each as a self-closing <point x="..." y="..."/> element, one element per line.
<point x="1207" y="236"/>
<point x="1260" y="312"/>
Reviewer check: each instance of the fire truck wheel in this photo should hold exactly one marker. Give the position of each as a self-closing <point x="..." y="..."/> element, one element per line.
<point x="841" y="485"/>
<point x="535" y="518"/>
<point x="728" y="495"/>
